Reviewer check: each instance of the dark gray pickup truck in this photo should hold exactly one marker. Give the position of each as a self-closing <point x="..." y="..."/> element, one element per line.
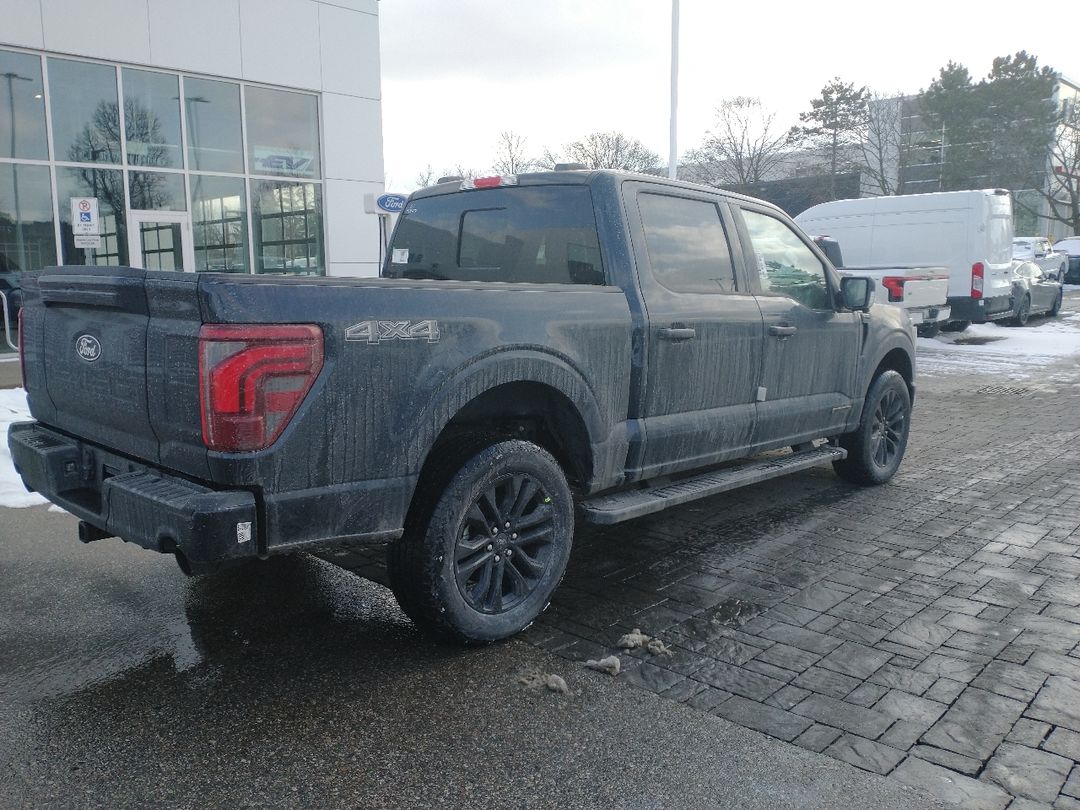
<point x="540" y="348"/>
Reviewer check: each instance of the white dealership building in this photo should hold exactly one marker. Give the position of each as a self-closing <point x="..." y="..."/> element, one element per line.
<point x="223" y="135"/>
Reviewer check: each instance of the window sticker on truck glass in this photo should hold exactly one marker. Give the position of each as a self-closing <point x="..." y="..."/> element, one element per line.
<point x="400" y="256"/>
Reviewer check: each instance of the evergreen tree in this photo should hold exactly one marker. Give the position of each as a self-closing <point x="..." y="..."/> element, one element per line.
<point x="834" y="121"/>
<point x="1020" y="112"/>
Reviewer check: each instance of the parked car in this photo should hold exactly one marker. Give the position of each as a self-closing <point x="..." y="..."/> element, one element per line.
<point x="1035" y="293"/>
<point x="540" y="347"/>
<point x="1039" y="250"/>
<point x="920" y="291"/>
<point x="967" y="232"/>
<point x="1070" y="246"/>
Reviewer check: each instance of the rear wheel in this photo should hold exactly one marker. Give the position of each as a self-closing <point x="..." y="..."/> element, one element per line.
<point x="956" y="326"/>
<point x="928" y="330"/>
<point x="876" y="448"/>
<point x="1023" y="312"/>
<point x="488" y="549"/>
<point x="1056" y="308"/>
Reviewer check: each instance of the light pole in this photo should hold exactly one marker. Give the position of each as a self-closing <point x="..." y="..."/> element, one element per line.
<point x="673" y="152"/>
<point x="19" y="246"/>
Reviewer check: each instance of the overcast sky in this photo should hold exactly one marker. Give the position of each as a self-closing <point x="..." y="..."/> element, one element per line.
<point x="456" y="73"/>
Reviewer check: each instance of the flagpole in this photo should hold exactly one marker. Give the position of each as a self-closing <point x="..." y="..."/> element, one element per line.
<point x="673" y="153"/>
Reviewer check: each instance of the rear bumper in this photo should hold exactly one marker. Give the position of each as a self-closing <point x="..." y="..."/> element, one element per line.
<point x="981" y="310"/>
<point x="929" y="315"/>
<point x="139" y="504"/>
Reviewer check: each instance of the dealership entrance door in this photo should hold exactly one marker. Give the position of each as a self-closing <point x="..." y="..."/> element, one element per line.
<point x="161" y="240"/>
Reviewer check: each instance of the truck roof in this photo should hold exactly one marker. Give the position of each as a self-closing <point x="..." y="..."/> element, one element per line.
<point x="590" y="177"/>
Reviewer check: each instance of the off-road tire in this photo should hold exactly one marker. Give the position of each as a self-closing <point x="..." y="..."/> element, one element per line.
<point x="956" y="326"/>
<point x="425" y="564"/>
<point x="1023" y="312"/>
<point x="886" y="420"/>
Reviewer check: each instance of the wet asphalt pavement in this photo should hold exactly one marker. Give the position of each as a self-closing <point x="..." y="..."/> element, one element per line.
<point x="295" y="683"/>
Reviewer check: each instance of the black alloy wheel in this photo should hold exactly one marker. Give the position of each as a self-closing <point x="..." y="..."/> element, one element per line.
<point x="876" y="447"/>
<point x="486" y="541"/>
<point x="505" y="546"/>
<point x="889" y="429"/>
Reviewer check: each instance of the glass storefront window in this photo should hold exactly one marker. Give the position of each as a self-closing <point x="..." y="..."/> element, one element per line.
<point x="212" y="110"/>
<point x="152" y="118"/>
<point x="108" y="186"/>
<point x="283" y="133"/>
<point x="22" y="107"/>
<point x="157" y="191"/>
<point x="27" y="239"/>
<point x="85" y="113"/>
<point x="287" y="218"/>
<point x="219" y="220"/>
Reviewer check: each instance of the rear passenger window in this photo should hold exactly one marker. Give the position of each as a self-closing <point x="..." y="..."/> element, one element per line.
<point x="688" y="249"/>
<point x="785" y="265"/>
<point x="532" y="235"/>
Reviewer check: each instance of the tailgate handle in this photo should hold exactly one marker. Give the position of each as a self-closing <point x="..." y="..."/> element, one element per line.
<point x="783" y="331"/>
<point x="94" y="298"/>
<point x="677" y="333"/>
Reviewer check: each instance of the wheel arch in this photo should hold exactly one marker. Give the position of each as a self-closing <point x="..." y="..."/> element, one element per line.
<point x="899" y="359"/>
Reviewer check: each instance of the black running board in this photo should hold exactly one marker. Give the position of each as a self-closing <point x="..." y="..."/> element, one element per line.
<point x="634" y="503"/>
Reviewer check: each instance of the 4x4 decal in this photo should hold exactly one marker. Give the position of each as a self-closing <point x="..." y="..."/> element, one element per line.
<point x="379" y="331"/>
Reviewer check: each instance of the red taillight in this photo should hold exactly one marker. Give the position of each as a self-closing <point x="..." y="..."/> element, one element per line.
<point x="895" y="286"/>
<point x="977" y="280"/>
<point x="22" y="349"/>
<point x="252" y="380"/>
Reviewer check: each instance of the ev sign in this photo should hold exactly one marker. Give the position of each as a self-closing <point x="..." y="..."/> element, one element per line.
<point x="85" y="223"/>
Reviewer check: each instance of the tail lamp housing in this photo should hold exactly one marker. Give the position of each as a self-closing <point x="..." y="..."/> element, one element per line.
<point x="252" y="380"/>
<point x="977" y="271"/>
<point x="895" y="286"/>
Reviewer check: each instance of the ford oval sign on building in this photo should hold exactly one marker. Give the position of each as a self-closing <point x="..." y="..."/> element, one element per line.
<point x="391" y="203"/>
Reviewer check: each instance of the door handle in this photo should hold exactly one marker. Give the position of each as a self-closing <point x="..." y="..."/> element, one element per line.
<point x="677" y="333"/>
<point x="783" y="331"/>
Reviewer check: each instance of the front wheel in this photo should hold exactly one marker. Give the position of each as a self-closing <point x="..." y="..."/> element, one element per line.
<point x="876" y="448"/>
<point x="490" y="547"/>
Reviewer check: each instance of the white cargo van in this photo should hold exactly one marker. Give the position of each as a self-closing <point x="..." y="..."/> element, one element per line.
<point x="969" y="233"/>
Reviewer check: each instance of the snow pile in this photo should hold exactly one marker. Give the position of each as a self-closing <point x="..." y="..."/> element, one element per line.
<point x="1012" y="351"/>
<point x="13" y="408"/>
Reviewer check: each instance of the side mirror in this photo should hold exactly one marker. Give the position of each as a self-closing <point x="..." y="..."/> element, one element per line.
<point x="857" y="293"/>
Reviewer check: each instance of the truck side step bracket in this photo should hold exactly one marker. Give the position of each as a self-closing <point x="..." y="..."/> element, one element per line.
<point x="635" y="503"/>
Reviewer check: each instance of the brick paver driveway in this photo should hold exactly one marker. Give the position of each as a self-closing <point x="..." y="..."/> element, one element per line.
<point x="928" y="629"/>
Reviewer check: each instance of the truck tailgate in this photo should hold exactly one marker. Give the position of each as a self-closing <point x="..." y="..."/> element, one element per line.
<point x="96" y="349"/>
<point x="908" y="287"/>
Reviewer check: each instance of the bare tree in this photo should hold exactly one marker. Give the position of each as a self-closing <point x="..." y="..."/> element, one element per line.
<point x="744" y="147"/>
<point x="882" y="143"/>
<point x="426" y="177"/>
<point x="1061" y="194"/>
<point x="607" y="150"/>
<point x="510" y="155"/>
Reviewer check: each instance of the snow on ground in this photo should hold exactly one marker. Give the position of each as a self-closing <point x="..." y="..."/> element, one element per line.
<point x="1002" y="350"/>
<point x="13" y="408"/>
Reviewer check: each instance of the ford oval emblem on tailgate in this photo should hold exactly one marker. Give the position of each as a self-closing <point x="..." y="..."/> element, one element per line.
<point x="88" y="348"/>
